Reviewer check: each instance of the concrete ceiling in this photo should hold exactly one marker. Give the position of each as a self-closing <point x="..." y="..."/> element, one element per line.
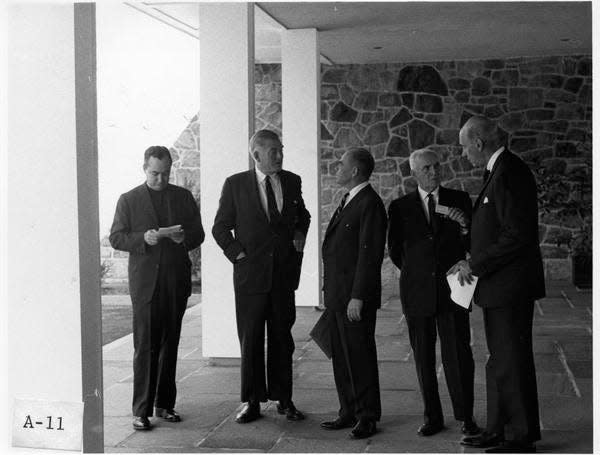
<point x="352" y="32"/>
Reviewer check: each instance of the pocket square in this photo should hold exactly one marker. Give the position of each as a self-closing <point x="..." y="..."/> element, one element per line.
<point x="485" y="200"/>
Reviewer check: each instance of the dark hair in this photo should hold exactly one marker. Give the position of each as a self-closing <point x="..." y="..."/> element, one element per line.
<point x="262" y="135"/>
<point x="160" y="152"/>
<point x="364" y="161"/>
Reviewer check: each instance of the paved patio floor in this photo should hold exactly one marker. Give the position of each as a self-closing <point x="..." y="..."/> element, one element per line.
<point x="208" y="394"/>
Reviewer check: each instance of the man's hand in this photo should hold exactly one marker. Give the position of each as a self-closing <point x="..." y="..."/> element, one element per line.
<point x="299" y="241"/>
<point x="178" y="237"/>
<point x="354" y="309"/>
<point x="240" y="256"/>
<point x="151" y="237"/>
<point x="464" y="272"/>
<point x="456" y="214"/>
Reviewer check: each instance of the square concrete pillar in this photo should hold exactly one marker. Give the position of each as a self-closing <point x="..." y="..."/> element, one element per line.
<point x="226" y="123"/>
<point x="301" y="131"/>
<point x="53" y="257"/>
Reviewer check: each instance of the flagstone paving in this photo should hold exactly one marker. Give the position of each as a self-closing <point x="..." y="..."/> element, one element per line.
<point x="208" y="391"/>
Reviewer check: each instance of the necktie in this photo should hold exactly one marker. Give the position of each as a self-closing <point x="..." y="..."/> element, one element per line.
<point x="340" y="207"/>
<point x="486" y="175"/>
<point x="431" y="210"/>
<point x="273" y="211"/>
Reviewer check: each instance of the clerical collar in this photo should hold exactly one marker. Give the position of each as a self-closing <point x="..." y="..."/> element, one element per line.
<point x="494" y="158"/>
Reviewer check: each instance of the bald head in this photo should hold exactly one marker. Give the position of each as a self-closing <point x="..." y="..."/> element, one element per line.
<point x="479" y="139"/>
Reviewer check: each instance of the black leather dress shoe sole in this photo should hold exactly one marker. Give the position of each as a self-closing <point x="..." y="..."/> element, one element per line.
<point x="483" y="441"/>
<point x="248" y="414"/>
<point x="512" y="447"/>
<point x="291" y="413"/>
<point x="428" y="429"/>
<point x="338" y="424"/>
<point x="363" y="430"/>
<point x="167" y="414"/>
<point x="141" y="424"/>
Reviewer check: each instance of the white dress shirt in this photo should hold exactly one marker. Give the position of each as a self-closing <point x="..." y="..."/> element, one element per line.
<point x="354" y="191"/>
<point x="424" y="199"/>
<point x="262" y="190"/>
<point x="493" y="159"/>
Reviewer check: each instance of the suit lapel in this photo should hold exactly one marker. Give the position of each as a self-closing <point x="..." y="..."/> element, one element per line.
<point x="347" y="208"/>
<point x="283" y="180"/>
<point x="500" y="159"/>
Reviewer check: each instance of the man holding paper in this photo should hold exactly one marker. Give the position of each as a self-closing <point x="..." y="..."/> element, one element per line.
<point x="157" y="224"/>
<point x="506" y="257"/>
<point x="428" y="234"/>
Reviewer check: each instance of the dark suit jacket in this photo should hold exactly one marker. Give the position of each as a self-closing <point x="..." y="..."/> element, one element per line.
<point x="353" y="251"/>
<point x="241" y="211"/>
<point x="423" y="255"/>
<point x="134" y="216"/>
<point x="505" y="247"/>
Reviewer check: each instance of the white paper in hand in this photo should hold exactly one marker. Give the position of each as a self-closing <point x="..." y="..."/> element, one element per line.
<point x="169" y="231"/>
<point x="461" y="295"/>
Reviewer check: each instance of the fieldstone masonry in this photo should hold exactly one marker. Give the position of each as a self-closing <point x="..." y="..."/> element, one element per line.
<point x="543" y="105"/>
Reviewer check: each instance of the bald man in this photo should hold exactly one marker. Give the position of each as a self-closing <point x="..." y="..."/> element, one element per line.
<point x="505" y="255"/>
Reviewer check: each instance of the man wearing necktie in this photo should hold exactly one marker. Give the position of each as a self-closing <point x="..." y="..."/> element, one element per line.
<point x="505" y="255"/>
<point x="352" y="252"/>
<point x="424" y="245"/>
<point x="261" y="226"/>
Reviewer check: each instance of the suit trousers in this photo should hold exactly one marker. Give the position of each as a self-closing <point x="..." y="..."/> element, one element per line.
<point x="355" y="368"/>
<point x="512" y="400"/>
<point x="156" y="332"/>
<point x="278" y="309"/>
<point x="457" y="358"/>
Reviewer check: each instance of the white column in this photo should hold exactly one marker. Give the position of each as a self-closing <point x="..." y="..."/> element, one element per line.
<point x="301" y="131"/>
<point x="43" y="305"/>
<point x="226" y="123"/>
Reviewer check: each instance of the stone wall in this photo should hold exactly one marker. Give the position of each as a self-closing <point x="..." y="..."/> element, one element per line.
<point x="544" y="105"/>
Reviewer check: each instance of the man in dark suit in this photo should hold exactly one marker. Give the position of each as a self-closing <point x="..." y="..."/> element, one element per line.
<point x="352" y="252"/>
<point x="159" y="280"/>
<point x="505" y="255"/>
<point x="264" y="209"/>
<point x="425" y="245"/>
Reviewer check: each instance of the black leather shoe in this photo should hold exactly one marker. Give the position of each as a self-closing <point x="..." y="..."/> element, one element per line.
<point x="470" y="427"/>
<point x="249" y="413"/>
<point x="141" y="423"/>
<point x="483" y="440"/>
<point x="167" y="414"/>
<point x="363" y="429"/>
<point x="290" y="411"/>
<point x="512" y="447"/>
<point x="429" y="429"/>
<point x="338" y="424"/>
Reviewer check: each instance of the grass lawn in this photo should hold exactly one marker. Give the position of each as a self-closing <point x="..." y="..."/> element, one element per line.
<point x="116" y="322"/>
<point x="117" y="315"/>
